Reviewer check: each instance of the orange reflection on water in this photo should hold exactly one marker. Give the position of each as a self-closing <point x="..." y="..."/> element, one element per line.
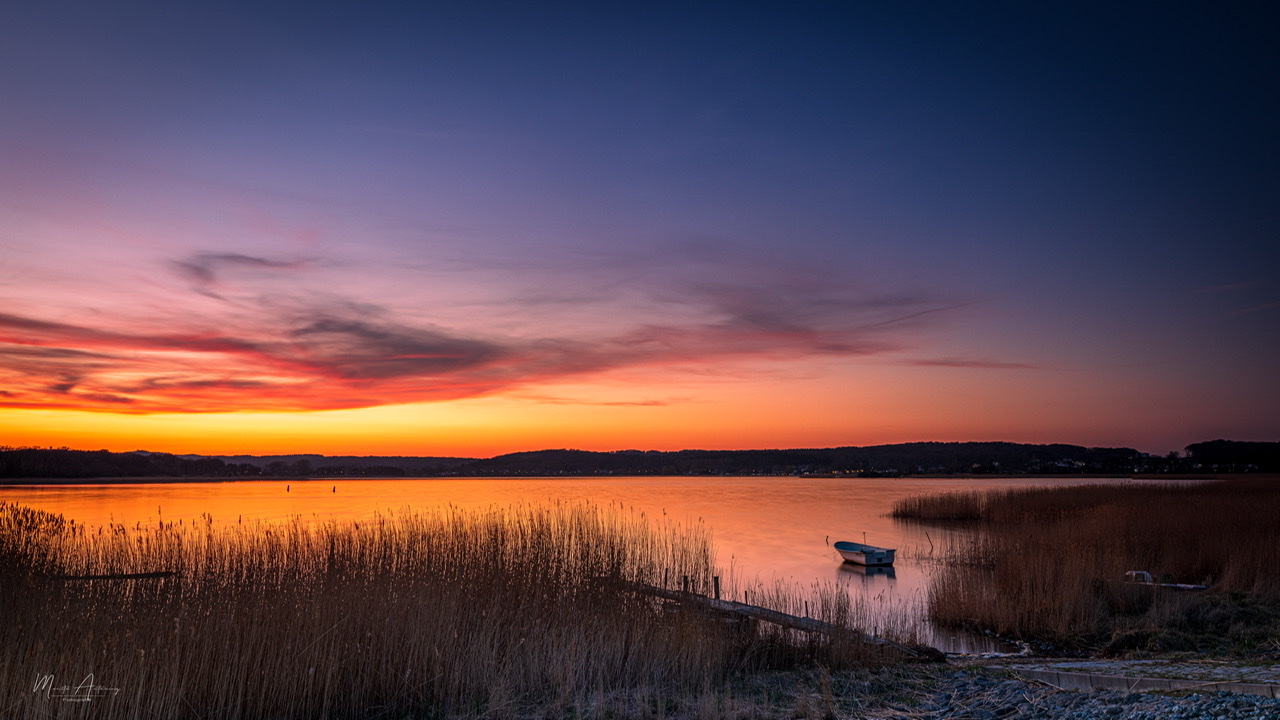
<point x="765" y="529"/>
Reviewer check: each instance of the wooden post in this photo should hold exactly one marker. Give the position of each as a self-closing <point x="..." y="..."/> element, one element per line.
<point x="716" y="581"/>
<point x="684" y="583"/>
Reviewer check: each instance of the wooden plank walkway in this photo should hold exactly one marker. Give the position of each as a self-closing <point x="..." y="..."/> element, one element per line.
<point x="776" y="617"/>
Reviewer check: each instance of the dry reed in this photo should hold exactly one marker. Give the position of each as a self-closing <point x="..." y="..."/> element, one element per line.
<point x="1047" y="563"/>
<point x="450" y="614"/>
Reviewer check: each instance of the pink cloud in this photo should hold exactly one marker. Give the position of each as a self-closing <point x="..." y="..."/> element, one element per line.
<point x="298" y="351"/>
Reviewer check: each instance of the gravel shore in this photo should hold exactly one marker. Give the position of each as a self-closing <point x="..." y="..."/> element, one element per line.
<point x="972" y="690"/>
<point x="978" y="695"/>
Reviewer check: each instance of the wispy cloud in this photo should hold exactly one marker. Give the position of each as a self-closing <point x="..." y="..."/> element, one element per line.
<point x="1256" y="309"/>
<point x="308" y="350"/>
<point x="204" y="270"/>
<point x="1229" y="287"/>
<point x="973" y="363"/>
<point x="560" y="400"/>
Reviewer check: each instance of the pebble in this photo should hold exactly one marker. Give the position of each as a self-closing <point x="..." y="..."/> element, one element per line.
<point x="970" y="697"/>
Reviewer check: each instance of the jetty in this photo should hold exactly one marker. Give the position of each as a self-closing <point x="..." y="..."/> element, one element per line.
<point x="755" y="612"/>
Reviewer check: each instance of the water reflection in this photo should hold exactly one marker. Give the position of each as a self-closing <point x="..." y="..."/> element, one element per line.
<point x="766" y="529"/>
<point x="868" y="573"/>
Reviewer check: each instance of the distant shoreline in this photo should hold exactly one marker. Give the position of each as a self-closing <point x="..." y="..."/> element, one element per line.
<point x="170" y="480"/>
<point x="925" y="459"/>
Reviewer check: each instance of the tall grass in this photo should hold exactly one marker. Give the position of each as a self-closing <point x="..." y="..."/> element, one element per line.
<point x="1047" y="562"/>
<point x="495" y="614"/>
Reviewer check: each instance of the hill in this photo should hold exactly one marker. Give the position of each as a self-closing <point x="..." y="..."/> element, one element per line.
<point x="936" y="458"/>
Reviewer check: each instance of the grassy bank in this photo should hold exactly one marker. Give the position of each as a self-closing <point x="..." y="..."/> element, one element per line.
<point x="1046" y="564"/>
<point x="495" y="614"/>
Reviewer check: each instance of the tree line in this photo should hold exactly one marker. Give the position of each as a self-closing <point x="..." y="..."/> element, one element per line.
<point x="881" y="460"/>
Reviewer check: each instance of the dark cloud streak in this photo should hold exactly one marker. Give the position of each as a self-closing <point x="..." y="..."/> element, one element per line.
<point x="205" y="270"/>
<point x="973" y="363"/>
<point x="279" y="351"/>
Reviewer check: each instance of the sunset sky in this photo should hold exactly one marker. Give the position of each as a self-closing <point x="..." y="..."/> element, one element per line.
<point x="473" y="228"/>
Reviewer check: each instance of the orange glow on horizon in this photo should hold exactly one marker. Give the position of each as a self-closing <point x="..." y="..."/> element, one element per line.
<point x="871" y="405"/>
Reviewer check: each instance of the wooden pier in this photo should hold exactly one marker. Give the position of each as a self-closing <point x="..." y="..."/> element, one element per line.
<point x="729" y="607"/>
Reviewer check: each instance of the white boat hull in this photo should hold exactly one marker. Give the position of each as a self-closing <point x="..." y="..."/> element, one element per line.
<point x="868" y="555"/>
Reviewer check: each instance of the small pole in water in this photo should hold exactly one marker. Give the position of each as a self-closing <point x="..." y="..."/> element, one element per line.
<point x="716" y="581"/>
<point x="286" y="488"/>
<point x="864" y="537"/>
<point x="335" y="488"/>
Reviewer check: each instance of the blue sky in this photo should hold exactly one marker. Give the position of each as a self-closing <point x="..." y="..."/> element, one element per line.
<point x="1063" y="216"/>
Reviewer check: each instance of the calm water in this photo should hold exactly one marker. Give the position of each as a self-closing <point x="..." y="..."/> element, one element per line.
<point x="766" y="529"/>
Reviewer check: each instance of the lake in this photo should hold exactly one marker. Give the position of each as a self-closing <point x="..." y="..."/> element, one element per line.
<point x="766" y="529"/>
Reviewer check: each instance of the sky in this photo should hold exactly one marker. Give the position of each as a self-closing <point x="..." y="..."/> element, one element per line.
<point x="475" y="228"/>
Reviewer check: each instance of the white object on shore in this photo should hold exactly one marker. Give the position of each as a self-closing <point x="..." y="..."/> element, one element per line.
<point x="1142" y="577"/>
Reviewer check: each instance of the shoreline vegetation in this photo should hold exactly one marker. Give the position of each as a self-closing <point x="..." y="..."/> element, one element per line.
<point x="1046" y="565"/>
<point x="906" y="459"/>
<point x="499" y="613"/>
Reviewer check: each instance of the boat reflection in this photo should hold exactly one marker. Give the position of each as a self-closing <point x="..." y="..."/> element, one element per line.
<point x="868" y="572"/>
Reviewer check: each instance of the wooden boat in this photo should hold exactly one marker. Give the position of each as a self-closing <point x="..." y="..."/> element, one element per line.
<point x="861" y="554"/>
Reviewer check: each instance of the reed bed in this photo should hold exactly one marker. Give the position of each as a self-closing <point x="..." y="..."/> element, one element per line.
<point x="502" y="613"/>
<point x="1048" y="563"/>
